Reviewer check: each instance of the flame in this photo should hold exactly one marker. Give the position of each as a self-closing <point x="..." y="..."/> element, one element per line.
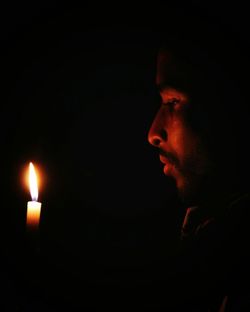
<point x="33" y="182"/>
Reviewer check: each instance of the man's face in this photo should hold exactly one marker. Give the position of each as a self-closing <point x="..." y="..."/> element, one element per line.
<point x="181" y="149"/>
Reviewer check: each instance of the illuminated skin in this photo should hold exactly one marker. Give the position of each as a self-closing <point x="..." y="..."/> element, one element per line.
<point x="181" y="149"/>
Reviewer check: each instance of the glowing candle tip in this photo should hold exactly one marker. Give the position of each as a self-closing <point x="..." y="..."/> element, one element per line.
<point x="33" y="182"/>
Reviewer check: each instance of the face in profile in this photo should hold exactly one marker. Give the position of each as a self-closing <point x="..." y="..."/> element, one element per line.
<point x="182" y="150"/>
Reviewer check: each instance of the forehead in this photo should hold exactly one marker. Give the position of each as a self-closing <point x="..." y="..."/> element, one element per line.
<point x="174" y="72"/>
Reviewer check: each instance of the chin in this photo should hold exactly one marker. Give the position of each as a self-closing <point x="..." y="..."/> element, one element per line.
<point x="187" y="192"/>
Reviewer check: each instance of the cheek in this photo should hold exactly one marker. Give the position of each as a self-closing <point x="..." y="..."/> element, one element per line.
<point x="183" y="139"/>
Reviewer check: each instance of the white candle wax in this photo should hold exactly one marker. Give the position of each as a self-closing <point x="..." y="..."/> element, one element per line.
<point x="33" y="213"/>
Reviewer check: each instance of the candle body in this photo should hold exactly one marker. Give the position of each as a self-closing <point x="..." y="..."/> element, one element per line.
<point x="33" y="214"/>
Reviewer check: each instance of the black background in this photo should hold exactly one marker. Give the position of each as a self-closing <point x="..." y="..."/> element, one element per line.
<point x="78" y="99"/>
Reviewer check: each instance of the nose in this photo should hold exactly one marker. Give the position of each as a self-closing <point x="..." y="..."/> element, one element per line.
<point x="157" y="133"/>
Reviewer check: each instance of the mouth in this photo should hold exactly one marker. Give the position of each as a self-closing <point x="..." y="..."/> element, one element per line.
<point x="168" y="160"/>
<point x="164" y="159"/>
<point x="166" y="164"/>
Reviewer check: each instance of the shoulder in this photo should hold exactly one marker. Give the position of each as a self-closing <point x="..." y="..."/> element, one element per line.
<point x="231" y="221"/>
<point x="235" y="238"/>
<point x="237" y="216"/>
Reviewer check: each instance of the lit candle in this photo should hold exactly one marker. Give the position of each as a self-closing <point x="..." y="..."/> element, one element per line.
<point x="33" y="207"/>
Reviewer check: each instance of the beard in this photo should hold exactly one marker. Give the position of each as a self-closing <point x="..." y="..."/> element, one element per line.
<point x="189" y="191"/>
<point x="194" y="180"/>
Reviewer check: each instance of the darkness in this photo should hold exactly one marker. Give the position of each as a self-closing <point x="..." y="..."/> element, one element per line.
<point x="78" y="99"/>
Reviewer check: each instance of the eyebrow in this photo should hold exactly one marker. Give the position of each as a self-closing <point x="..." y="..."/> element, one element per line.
<point x="162" y="86"/>
<point x="166" y="87"/>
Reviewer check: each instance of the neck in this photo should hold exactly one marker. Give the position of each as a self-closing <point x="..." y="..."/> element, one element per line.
<point x="216" y="193"/>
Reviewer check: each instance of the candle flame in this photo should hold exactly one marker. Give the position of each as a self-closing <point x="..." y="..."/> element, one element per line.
<point x="33" y="182"/>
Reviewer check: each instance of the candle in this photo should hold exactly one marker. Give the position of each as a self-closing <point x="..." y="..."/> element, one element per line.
<point x="33" y="207"/>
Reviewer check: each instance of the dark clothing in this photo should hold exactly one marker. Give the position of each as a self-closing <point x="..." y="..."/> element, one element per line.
<point x="211" y="269"/>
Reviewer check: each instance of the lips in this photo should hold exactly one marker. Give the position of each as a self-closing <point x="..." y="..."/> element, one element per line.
<point x="167" y="164"/>
<point x="164" y="159"/>
<point x="167" y="158"/>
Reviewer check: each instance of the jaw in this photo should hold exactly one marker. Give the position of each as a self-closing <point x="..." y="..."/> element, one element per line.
<point x="194" y="190"/>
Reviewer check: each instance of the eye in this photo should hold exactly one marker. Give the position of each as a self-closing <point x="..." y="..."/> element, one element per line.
<point x="171" y="102"/>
